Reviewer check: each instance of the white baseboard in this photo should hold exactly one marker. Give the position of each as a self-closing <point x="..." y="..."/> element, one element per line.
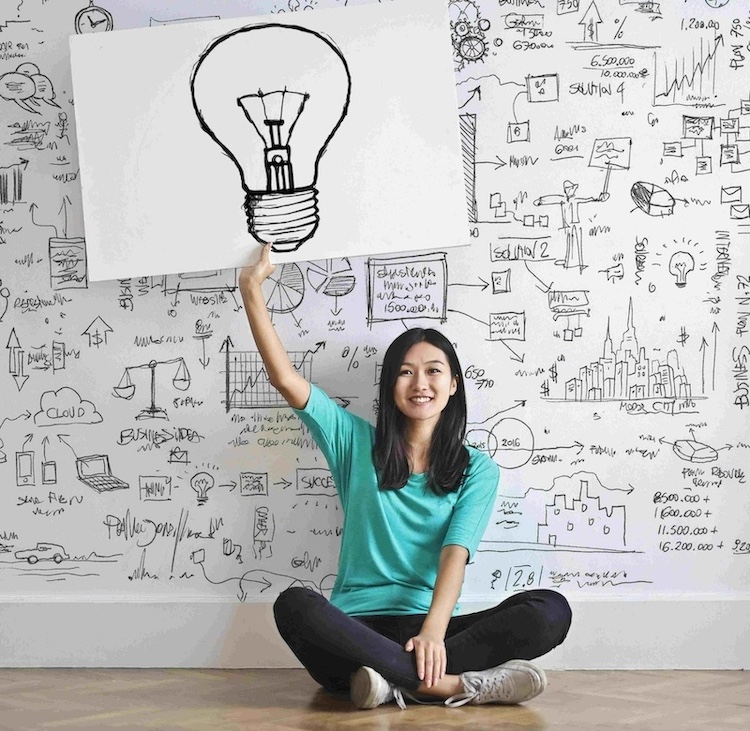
<point x="606" y="634"/>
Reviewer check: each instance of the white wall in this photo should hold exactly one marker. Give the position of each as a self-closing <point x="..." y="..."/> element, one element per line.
<point x="614" y="401"/>
<point x="688" y="633"/>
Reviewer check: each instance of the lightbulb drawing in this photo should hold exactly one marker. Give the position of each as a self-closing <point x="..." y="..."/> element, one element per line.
<point x="272" y="96"/>
<point x="202" y="482"/>
<point x="680" y="265"/>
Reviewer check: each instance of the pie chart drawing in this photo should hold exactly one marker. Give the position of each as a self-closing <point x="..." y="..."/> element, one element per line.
<point x="332" y="277"/>
<point x="652" y="199"/>
<point x="284" y="289"/>
<point x="692" y="451"/>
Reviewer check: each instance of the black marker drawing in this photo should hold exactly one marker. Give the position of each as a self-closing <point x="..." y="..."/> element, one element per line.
<point x="4" y="297"/>
<point x="94" y="471"/>
<point x="692" y="450"/>
<point x="246" y="380"/>
<point x="65" y="406"/>
<point x="653" y="322"/>
<point x="265" y="580"/>
<point x="67" y="257"/>
<point x="97" y="332"/>
<point x="264" y="530"/>
<point x="626" y="373"/>
<point x="93" y="19"/>
<point x="11" y="182"/>
<point x="254" y="483"/>
<point x="178" y="455"/>
<point x="689" y="79"/>
<point x="576" y="513"/>
<point x="155" y="488"/>
<point x="285" y="289"/>
<point x="272" y="97"/>
<point x="203" y="331"/>
<point x="569" y="202"/>
<point x="202" y="482"/>
<point x="43" y="552"/>
<point x="125" y="389"/>
<point x="591" y="21"/>
<point x="468" y="32"/>
<point x="407" y="287"/>
<point x="209" y="287"/>
<point x="652" y="199"/>
<point x="685" y="256"/>
<point x="16" y="359"/>
<point x="333" y="278"/>
<point x="25" y="474"/>
<point x="28" y="87"/>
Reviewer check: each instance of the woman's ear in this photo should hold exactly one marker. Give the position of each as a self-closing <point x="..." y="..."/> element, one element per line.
<point x="454" y="385"/>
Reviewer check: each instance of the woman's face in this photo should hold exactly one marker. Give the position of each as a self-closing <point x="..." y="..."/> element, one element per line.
<point x="424" y="383"/>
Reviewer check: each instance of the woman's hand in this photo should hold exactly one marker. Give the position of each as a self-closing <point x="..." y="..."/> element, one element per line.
<point x="430" y="657"/>
<point x="258" y="272"/>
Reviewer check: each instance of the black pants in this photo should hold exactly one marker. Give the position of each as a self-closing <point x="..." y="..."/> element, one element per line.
<point x="332" y="645"/>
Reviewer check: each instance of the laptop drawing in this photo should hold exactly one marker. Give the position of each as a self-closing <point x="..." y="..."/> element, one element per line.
<point x="95" y="472"/>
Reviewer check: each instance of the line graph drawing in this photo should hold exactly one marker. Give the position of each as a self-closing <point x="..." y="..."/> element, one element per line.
<point x="246" y="379"/>
<point x="690" y="79"/>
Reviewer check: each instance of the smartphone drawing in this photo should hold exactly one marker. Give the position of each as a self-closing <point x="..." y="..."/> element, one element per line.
<point x="24" y="468"/>
<point x="49" y="473"/>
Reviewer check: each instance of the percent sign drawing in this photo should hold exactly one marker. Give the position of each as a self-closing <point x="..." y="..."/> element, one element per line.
<point x="347" y="352"/>
<point x="618" y="32"/>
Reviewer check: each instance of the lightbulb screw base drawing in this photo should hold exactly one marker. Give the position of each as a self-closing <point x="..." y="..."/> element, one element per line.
<point x="284" y="220"/>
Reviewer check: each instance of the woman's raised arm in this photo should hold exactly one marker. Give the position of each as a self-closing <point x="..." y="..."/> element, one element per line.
<point x="281" y="373"/>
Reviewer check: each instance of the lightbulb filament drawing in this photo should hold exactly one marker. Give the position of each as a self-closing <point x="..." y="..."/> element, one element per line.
<point x="272" y="97"/>
<point x="202" y="482"/>
<point x="274" y="124"/>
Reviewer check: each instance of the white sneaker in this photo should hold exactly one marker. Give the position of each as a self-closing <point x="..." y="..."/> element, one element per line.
<point x="512" y="682"/>
<point x="369" y="689"/>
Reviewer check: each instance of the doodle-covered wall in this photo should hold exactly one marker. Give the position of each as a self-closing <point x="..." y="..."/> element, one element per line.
<point x="600" y="314"/>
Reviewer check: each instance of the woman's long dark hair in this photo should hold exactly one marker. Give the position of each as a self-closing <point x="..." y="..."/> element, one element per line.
<point x="448" y="457"/>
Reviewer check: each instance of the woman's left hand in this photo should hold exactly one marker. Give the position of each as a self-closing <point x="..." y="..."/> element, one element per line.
<point x="430" y="657"/>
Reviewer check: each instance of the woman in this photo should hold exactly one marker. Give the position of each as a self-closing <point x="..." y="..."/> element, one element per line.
<point x="415" y="501"/>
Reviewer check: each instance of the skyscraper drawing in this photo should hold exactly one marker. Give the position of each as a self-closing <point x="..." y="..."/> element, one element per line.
<point x="627" y="373"/>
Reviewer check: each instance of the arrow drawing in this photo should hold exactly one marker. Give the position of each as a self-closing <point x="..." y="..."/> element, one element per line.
<point x="15" y="360"/>
<point x="97" y="332"/>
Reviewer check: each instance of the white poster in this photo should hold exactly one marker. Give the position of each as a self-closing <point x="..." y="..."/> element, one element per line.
<point x="325" y="134"/>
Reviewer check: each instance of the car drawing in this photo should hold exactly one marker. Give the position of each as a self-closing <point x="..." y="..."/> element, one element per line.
<point x="43" y="552"/>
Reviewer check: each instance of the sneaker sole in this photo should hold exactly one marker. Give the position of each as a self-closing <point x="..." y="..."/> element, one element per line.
<point x="540" y="678"/>
<point x="363" y="688"/>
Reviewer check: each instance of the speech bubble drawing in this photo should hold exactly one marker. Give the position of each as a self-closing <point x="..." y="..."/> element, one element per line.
<point x="27" y="85"/>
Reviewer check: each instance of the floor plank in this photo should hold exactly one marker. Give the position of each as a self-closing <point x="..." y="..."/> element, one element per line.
<point x="288" y="700"/>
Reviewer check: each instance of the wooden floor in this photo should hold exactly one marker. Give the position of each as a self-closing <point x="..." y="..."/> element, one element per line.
<point x="286" y="700"/>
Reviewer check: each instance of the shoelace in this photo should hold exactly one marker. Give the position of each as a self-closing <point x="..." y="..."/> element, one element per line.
<point x="482" y="689"/>
<point x="398" y="696"/>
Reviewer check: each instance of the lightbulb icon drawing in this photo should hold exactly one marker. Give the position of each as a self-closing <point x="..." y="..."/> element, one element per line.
<point x="680" y="265"/>
<point x="272" y="96"/>
<point x="202" y="482"/>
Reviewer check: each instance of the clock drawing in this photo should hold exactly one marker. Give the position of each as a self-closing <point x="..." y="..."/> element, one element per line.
<point x="93" y="19"/>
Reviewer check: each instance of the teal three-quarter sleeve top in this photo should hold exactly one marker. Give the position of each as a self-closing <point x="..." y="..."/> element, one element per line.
<point x="391" y="539"/>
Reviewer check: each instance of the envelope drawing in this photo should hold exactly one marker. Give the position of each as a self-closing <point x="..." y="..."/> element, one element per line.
<point x="739" y="210"/>
<point x="731" y="194"/>
<point x="177" y="455"/>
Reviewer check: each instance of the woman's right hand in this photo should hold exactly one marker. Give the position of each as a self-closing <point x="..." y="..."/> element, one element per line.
<point x="258" y="272"/>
